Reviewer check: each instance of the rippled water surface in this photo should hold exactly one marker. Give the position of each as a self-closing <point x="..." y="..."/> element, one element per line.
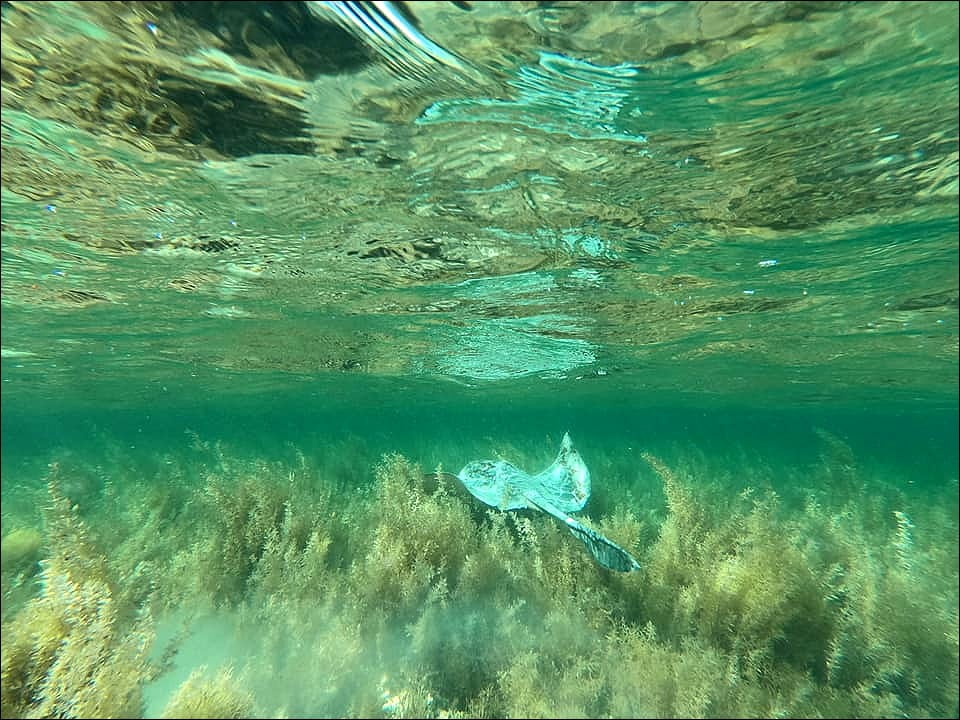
<point x="731" y="227"/>
<point x="700" y="199"/>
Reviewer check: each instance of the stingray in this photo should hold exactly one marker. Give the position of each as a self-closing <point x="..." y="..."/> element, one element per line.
<point x="562" y="488"/>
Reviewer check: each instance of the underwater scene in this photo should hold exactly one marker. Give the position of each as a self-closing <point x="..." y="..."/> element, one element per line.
<point x="479" y="359"/>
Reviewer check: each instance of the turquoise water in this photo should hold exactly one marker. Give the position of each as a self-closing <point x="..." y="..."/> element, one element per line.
<point x="261" y="278"/>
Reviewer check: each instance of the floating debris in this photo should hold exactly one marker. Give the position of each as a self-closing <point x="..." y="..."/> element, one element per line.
<point x="562" y="488"/>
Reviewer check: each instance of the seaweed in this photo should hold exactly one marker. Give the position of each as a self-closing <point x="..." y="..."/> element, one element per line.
<point x="221" y="696"/>
<point x="70" y="652"/>
<point x="345" y="592"/>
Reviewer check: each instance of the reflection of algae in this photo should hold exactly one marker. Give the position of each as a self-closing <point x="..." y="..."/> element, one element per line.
<point x="405" y="599"/>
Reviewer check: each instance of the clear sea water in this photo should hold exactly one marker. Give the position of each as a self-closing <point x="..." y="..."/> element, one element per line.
<point x="711" y="229"/>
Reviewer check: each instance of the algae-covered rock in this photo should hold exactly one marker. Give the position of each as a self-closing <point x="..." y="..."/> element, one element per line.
<point x="19" y="548"/>
<point x="222" y="696"/>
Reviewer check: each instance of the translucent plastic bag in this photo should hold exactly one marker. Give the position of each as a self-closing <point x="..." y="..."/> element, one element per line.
<point x="562" y="488"/>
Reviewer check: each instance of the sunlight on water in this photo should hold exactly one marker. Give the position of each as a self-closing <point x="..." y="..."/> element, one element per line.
<point x="195" y="167"/>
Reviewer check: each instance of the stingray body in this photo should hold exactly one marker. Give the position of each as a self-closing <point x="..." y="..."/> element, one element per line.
<point x="562" y="488"/>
